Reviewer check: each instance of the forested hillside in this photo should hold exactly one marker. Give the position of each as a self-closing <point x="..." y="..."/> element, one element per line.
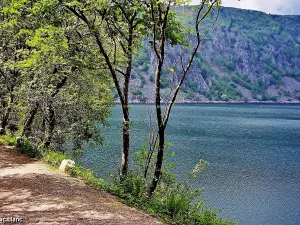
<point x="247" y="56"/>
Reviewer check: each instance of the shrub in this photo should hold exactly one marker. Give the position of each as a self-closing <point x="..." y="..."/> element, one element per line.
<point x="173" y="201"/>
<point x="176" y="203"/>
<point x="133" y="189"/>
<point x="29" y="149"/>
<point x="267" y="97"/>
<point x="151" y="78"/>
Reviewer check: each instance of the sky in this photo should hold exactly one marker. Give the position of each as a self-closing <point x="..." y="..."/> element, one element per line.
<point x="281" y="7"/>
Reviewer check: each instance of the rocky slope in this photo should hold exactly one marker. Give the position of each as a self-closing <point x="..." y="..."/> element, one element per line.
<point x="247" y="56"/>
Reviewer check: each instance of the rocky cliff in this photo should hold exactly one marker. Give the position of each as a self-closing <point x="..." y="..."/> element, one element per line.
<point x="247" y="56"/>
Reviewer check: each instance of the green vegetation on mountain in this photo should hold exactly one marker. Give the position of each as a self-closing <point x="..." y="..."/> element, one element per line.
<point x="247" y="56"/>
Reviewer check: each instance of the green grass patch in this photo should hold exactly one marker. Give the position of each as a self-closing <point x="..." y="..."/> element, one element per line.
<point x="9" y="140"/>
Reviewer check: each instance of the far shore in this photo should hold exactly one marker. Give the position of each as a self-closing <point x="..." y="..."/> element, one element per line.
<point x="217" y="102"/>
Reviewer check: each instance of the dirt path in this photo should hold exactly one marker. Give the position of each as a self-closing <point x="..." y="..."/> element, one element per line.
<point x="30" y="190"/>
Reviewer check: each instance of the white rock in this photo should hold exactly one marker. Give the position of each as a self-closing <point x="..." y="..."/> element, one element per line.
<point x="2" y="131"/>
<point x="19" y="141"/>
<point x="66" y="165"/>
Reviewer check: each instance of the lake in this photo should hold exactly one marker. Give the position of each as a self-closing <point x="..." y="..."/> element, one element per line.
<point x="253" y="151"/>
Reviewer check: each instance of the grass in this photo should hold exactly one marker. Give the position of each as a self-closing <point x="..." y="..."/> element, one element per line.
<point x="54" y="159"/>
<point x="9" y="140"/>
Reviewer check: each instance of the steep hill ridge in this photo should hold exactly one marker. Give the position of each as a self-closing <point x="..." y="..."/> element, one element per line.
<point x="247" y="56"/>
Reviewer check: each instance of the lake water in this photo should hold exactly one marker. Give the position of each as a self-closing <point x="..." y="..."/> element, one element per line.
<point x="253" y="153"/>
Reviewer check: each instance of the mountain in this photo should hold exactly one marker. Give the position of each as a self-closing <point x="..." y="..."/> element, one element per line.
<point x="247" y="56"/>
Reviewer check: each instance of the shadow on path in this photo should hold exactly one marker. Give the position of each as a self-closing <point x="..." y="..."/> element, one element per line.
<point x="30" y="190"/>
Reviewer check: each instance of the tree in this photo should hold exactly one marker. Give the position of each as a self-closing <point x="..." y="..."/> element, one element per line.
<point x="62" y="90"/>
<point x="73" y="94"/>
<point x="117" y="28"/>
<point x="10" y="76"/>
<point x="161" y="12"/>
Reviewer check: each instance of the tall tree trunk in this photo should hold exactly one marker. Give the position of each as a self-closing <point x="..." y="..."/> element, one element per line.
<point x="125" y="128"/>
<point x="159" y="161"/>
<point x="4" y="122"/>
<point x="126" y="120"/>
<point x="160" y="125"/>
<point x="27" y="130"/>
<point x="159" y="50"/>
<point x="6" y="115"/>
<point x="50" y="114"/>
<point x="126" y="146"/>
<point x="50" y="124"/>
<point x="127" y="45"/>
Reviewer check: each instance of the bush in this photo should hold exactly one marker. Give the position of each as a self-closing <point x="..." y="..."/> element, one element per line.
<point x="151" y="78"/>
<point x="29" y="149"/>
<point x="267" y="97"/>
<point x="173" y="201"/>
<point x="133" y="189"/>
<point x="176" y="203"/>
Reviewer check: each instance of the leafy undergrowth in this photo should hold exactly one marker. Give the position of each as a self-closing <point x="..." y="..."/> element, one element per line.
<point x="173" y="202"/>
<point x="10" y="140"/>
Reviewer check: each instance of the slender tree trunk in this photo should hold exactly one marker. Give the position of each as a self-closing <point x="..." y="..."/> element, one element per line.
<point x="125" y="109"/>
<point x="161" y="128"/>
<point x="159" y="161"/>
<point x="6" y="115"/>
<point x="126" y="145"/>
<point x="160" y="54"/>
<point x="50" y="122"/>
<point x="126" y="128"/>
<point x="4" y="122"/>
<point x="50" y="114"/>
<point x="152" y="145"/>
<point x="27" y="130"/>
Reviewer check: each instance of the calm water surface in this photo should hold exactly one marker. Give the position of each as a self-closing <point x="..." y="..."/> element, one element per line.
<point x="253" y="152"/>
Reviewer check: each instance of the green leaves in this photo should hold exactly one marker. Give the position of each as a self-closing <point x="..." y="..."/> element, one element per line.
<point x="48" y="41"/>
<point x="199" y="167"/>
<point x="44" y="63"/>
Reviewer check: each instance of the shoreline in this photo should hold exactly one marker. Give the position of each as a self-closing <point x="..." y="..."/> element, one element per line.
<point x="219" y="102"/>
